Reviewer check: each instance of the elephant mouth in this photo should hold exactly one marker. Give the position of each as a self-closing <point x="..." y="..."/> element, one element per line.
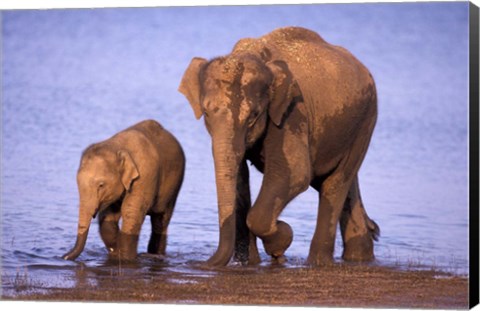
<point x="96" y="212"/>
<point x="101" y="207"/>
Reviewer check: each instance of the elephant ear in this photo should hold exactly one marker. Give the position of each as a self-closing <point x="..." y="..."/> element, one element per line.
<point x="282" y="90"/>
<point x="190" y="84"/>
<point x="128" y="169"/>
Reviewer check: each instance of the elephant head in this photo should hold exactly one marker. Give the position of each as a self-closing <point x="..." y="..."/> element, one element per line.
<point x="237" y="95"/>
<point x="103" y="178"/>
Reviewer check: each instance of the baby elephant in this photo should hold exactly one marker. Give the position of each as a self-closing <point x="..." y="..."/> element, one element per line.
<point x="137" y="172"/>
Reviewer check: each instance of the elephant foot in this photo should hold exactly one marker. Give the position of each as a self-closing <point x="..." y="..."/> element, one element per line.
<point x="247" y="258"/>
<point x="127" y="246"/>
<point x="246" y="251"/>
<point x="157" y="244"/>
<point x="279" y="260"/>
<point x="359" y="248"/>
<point x="253" y="256"/>
<point x="277" y="243"/>
<point x="241" y="258"/>
<point x="241" y="251"/>
<point x="320" y="261"/>
<point x="108" y="233"/>
<point x="112" y="252"/>
<point x="320" y="257"/>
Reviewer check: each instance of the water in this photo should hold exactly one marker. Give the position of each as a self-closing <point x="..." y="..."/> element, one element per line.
<point x="74" y="77"/>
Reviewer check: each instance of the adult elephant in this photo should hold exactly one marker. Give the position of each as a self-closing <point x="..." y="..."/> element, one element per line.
<point x="303" y="112"/>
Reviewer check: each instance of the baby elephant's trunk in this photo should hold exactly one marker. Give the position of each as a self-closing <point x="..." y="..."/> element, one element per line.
<point x="78" y="248"/>
<point x="84" y="220"/>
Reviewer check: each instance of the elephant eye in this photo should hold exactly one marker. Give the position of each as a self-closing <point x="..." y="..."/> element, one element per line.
<point x="101" y="185"/>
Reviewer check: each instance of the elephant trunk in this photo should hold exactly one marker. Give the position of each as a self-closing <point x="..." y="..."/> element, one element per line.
<point x="84" y="220"/>
<point x="227" y="157"/>
<point x="78" y="248"/>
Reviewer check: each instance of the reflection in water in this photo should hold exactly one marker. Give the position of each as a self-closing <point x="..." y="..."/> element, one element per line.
<point x="81" y="278"/>
<point x="74" y="77"/>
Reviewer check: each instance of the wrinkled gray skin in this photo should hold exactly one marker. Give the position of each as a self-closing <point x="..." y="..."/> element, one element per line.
<point x="135" y="173"/>
<point x="303" y="112"/>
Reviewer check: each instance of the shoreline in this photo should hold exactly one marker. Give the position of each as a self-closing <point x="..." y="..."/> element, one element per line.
<point x="341" y="285"/>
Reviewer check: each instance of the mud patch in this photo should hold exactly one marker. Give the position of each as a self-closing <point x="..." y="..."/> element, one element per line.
<point x="340" y="285"/>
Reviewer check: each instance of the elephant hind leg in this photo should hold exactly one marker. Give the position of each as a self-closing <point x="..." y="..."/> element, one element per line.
<point x="358" y="230"/>
<point x="161" y="213"/>
<point x="158" y="237"/>
<point x="333" y="195"/>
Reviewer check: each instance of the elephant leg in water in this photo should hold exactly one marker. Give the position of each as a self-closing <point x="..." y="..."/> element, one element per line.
<point x="333" y="196"/>
<point x="357" y="235"/>
<point x="245" y="242"/>
<point x="108" y="227"/>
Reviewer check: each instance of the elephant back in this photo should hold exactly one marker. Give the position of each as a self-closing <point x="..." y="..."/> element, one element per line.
<point x="292" y="34"/>
<point x="329" y="76"/>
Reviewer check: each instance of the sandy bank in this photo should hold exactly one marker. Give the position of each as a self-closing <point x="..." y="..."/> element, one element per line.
<point x="340" y="285"/>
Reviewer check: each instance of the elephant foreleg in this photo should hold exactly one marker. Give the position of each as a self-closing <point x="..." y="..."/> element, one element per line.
<point x="286" y="175"/>
<point x="133" y="214"/>
<point x="108" y="227"/>
<point x="332" y="196"/>
<point x="245" y="242"/>
<point x="358" y="230"/>
<point x="262" y="220"/>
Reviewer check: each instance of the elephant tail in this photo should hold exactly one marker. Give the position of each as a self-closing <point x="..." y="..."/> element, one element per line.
<point x="374" y="229"/>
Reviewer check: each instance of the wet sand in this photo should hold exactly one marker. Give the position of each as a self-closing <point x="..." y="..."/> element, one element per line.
<point x="340" y="286"/>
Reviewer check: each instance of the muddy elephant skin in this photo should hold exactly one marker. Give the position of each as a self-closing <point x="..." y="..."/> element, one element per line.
<point x="135" y="173"/>
<point x="302" y="111"/>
